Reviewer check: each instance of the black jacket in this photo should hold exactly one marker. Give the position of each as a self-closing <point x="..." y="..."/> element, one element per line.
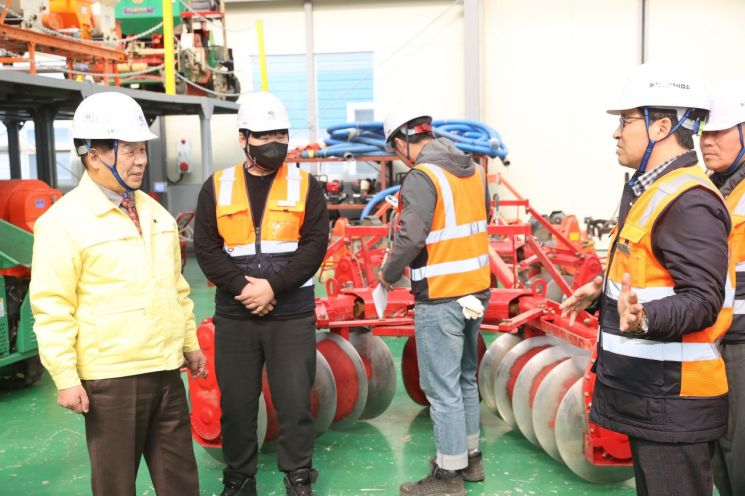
<point x="726" y="184"/>
<point x="690" y="240"/>
<point x="284" y="274"/>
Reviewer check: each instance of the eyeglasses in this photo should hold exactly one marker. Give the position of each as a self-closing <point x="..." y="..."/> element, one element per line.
<point x="623" y="120"/>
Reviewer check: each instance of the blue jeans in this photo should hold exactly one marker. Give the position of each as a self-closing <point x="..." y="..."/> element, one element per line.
<point x="446" y="345"/>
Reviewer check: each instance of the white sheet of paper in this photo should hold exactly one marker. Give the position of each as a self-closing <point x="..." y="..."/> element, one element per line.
<point x="380" y="298"/>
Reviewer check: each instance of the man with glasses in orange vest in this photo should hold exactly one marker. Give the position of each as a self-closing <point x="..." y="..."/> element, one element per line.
<point x="667" y="296"/>
<point x="442" y="237"/>
<point x="261" y="233"/>
<point x="723" y="148"/>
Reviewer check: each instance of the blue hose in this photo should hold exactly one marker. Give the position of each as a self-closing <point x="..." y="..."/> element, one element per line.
<point x="366" y="138"/>
<point x="377" y="199"/>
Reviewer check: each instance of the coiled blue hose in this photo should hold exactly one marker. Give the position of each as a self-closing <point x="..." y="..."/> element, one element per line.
<point x="367" y="139"/>
<point x="379" y="197"/>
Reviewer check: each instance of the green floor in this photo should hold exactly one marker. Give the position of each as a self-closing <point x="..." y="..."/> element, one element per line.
<point x="42" y="448"/>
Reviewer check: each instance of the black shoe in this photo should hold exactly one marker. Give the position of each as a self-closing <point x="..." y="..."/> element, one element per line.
<point x="238" y="484"/>
<point x="439" y="482"/>
<point x="474" y="472"/>
<point x="298" y="482"/>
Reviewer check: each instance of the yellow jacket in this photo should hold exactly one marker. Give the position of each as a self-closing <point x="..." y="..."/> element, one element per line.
<point x="107" y="302"/>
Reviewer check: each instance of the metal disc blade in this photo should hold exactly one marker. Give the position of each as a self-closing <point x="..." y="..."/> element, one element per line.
<point x="261" y="422"/>
<point x="570" y="431"/>
<point x="489" y="365"/>
<point x="410" y="373"/>
<point x="508" y="371"/>
<point x="216" y="452"/>
<point x="323" y="396"/>
<point x="271" y="431"/>
<point x="548" y="397"/>
<point x="322" y="405"/>
<point x="553" y="291"/>
<point x="349" y="375"/>
<point x="381" y="372"/>
<point x="526" y="386"/>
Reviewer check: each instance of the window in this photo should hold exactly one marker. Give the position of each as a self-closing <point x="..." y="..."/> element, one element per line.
<point x="360" y="112"/>
<point x="288" y="80"/>
<point x="68" y="169"/>
<point x="342" y="80"/>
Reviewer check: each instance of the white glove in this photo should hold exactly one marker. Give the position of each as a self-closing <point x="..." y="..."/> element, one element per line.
<point x="472" y="307"/>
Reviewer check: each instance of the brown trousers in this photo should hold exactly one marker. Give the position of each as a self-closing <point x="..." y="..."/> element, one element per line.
<point x="129" y="417"/>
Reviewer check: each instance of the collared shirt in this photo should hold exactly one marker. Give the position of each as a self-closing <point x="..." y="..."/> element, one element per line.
<point x="645" y="180"/>
<point x="114" y="197"/>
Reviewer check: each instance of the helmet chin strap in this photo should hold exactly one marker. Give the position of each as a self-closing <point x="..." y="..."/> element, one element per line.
<point x="650" y="145"/>
<point x="736" y="163"/>
<point x="127" y="189"/>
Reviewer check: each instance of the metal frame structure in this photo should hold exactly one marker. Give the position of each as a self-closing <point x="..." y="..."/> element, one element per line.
<point x="24" y="97"/>
<point x="15" y="39"/>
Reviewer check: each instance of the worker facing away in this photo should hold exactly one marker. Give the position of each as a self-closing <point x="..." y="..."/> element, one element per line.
<point x="261" y="233"/>
<point x="667" y="296"/>
<point x="723" y="147"/>
<point x="112" y="314"/>
<point x="443" y="218"/>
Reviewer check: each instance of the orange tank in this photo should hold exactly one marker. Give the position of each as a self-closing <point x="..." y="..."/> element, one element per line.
<point x="22" y="201"/>
<point x="65" y="14"/>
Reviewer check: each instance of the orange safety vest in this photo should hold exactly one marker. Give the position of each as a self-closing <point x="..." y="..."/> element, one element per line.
<point x="455" y="260"/>
<point x="283" y="216"/>
<point x="701" y="372"/>
<point x="736" y="206"/>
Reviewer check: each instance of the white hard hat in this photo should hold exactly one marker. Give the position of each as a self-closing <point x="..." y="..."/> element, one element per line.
<point x="727" y="105"/>
<point x="261" y="112"/>
<point x="110" y="115"/>
<point x="660" y="86"/>
<point x="400" y="115"/>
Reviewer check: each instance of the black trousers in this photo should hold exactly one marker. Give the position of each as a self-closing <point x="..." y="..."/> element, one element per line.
<point x="288" y="348"/>
<point x="672" y="469"/>
<point x="729" y="459"/>
<point x="145" y="414"/>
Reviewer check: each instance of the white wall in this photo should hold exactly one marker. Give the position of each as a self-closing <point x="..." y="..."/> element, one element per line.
<point x="707" y="34"/>
<point x="549" y="69"/>
<point x="429" y="67"/>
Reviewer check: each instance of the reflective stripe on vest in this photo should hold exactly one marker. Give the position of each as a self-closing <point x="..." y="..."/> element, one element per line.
<point x="458" y="243"/>
<point x="445" y="268"/>
<point x="645" y="295"/>
<point x="736" y="205"/>
<point x="227" y="178"/>
<point x="660" y="351"/>
<point x="276" y="237"/>
<point x="702" y="371"/>
<point x="455" y="232"/>
<point x="266" y="247"/>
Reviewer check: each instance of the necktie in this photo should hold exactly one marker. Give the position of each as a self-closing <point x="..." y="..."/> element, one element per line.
<point x="129" y="207"/>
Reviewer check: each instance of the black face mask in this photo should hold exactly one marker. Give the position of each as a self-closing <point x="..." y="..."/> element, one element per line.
<point x="270" y="156"/>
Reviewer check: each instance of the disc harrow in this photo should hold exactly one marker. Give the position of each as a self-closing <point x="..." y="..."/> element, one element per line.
<point x="536" y="375"/>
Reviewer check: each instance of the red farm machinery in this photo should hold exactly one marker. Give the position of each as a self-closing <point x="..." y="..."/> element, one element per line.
<point x="536" y="375"/>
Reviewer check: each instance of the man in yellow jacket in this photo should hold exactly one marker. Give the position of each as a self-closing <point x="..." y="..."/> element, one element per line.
<point x="723" y="147"/>
<point x="112" y="314"/>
